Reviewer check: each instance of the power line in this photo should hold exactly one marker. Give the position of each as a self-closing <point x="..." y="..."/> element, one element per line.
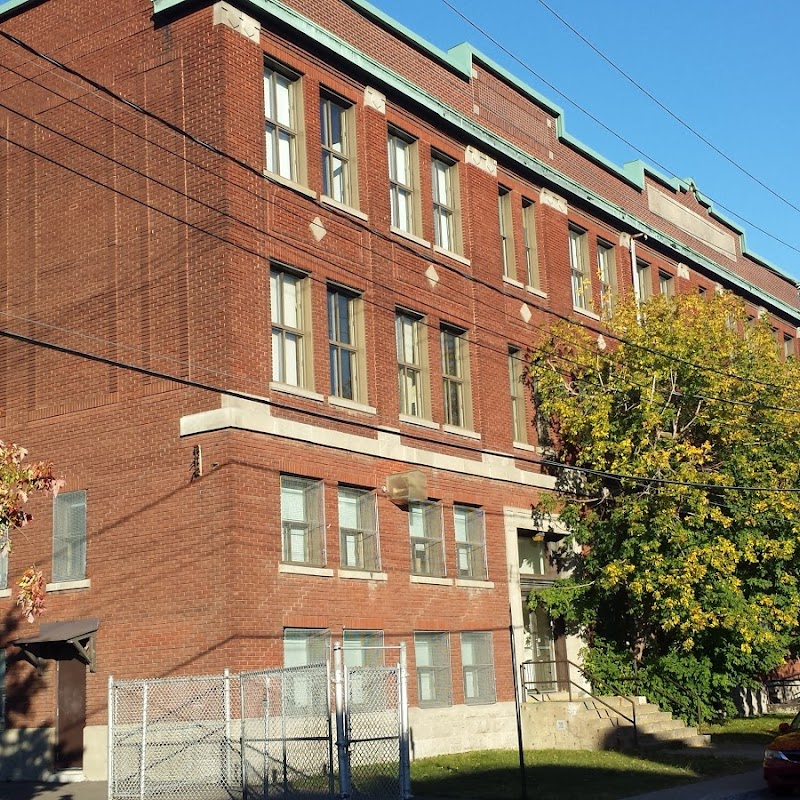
<point x="182" y="133"/>
<point x="666" y="109"/>
<point x="607" y="128"/>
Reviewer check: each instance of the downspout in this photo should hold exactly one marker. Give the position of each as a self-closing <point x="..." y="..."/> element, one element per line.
<point x="634" y="271"/>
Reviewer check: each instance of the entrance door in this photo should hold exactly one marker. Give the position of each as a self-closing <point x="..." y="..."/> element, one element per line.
<point x="542" y="650"/>
<point x="70" y="713"/>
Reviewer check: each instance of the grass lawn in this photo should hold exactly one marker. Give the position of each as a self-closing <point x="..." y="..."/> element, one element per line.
<point x="748" y="730"/>
<point x="564" y="774"/>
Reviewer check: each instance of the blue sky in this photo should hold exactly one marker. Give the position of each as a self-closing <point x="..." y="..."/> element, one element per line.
<point x="728" y="68"/>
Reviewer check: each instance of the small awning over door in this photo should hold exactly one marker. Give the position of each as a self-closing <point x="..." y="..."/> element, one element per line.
<point x="61" y="640"/>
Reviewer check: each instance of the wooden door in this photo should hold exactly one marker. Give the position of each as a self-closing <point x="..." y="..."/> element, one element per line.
<point x="70" y="713"/>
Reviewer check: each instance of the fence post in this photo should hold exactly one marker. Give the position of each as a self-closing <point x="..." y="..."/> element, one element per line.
<point x="341" y="741"/>
<point x="144" y="742"/>
<point x="405" y="761"/>
<point x="226" y="710"/>
<point x="242" y="737"/>
<point x="110" y="737"/>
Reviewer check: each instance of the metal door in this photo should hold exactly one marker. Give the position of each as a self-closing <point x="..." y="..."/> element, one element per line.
<point x="70" y="713"/>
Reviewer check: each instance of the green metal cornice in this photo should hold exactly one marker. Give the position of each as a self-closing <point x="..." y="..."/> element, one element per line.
<point x="7" y="6"/>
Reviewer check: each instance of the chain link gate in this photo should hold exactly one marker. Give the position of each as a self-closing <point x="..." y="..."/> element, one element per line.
<point x="261" y="735"/>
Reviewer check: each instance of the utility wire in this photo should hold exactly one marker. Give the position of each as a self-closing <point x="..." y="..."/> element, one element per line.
<point x="605" y="127"/>
<point x="181" y="132"/>
<point x="187" y="382"/>
<point x="666" y="109"/>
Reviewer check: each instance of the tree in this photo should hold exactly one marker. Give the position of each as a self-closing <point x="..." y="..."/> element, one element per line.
<point x="673" y="569"/>
<point x="18" y="480"/>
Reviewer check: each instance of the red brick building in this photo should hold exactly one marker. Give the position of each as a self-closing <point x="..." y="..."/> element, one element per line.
<point x="260" y="259"/>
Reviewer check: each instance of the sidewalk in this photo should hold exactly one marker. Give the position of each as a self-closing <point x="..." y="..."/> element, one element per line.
<point x="83" y="790"/>
<point x="747" y="786"/>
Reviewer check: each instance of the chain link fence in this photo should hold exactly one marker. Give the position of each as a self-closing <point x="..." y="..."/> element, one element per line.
<point x="261" y="735"/>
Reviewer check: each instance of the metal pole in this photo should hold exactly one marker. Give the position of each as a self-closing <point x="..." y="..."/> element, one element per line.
<point x="144" y="742"/>
<point x="110" y="737"/>
<point x="226" y="710"/>
<point x="405" y="750"/>
<point x="523" y="782"/>
<point x="341" y="741"/>
<point x="242" y="739"/>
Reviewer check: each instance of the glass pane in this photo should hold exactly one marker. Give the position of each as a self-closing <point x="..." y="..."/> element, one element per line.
<point x="416" y="520"/>
<point x="460" y="521"/>
<point x="274" y="298"/>
<point x="343" y="304"/>
<point x="268" y="104"/>
<point x="278" y="367"/>
<point x="346" y="388"/>
<point x="401" y="162"/>
<point x="290" y="301"/>
<point x="337" y="180"/>
<point x="285" y="161"/>
<point x="403" y="220"/>
<point x="272" y="153"/>
<point x="283" y="100"/>
<point x="292" y="364"/>
<point x="335" y="138"/>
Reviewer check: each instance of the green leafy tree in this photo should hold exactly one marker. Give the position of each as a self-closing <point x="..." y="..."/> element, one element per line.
<point x="672" y="570"/>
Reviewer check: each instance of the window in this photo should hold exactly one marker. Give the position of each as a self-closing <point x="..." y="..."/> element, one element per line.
<point x="477" y="665"/>
<point x="427" y="546"/>
<point x="402" y="181"/>
<point x="303" y="690"/>
<point x="338" y="174"/>
<point x="303" y="521"/>
<point x="788" y="346"/>
<point x="432" y="657"/>
<point x="444" y="177"/>
<point x="518" y="415"/>
<point x="345" y="341"/>
<point x="282" y="105"/>
<point x="534" y="558"/>
<point x="666" y="284"/>
<point x="412" y="364"/>
<point x="607" y="272"/>
<point x="470" y="542"/>
<point x="291" y="362"/>
<point x="358" y="529"/>
<point x="531" y="245"/>
<point x="506" y="232"/>
<point x="363" y="648"/>
<point x="643" y="280"/>
<point x="455" y="372"/>
<point x="578" y="258"/>
<point x="3" y="562"/>
<point x="69" y="537"/>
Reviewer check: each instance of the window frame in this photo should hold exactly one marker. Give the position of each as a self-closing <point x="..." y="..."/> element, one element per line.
<point x="293" y="130"/>
<point x="418" y="368"/>
<point x="69" y="540"/>
<point x="446" y="208"/>
<point x="478" y="674"/>
<point x="666" y="283"/>
<point x="367" y="553"/>
<point x="519" y="422"/>
<point x="346" y="155"/>
<point x="354" y="349"/>
<point x="427" y="545"/>
<point x="607" y="275"/>
<point x="644" y="279"/>
<point x="304" y="367"/>
<point x="311" y="528"/>
<point x="531" y="242"/>
<point x="409" y="189"/>
<point x="469" y="524"/>
<point x="788" y="346"/>
<point x="437" y="673"/>
<point x="506" y="226"/>
<point x="580" y="275"/>
<point x="456" y="400"/>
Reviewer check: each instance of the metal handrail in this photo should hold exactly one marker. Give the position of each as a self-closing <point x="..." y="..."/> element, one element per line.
<point x="592" y="679"/>
<point x="671" y="697"/>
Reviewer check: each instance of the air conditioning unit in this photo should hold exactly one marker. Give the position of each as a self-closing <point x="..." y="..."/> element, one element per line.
<point x="406" y="487"/>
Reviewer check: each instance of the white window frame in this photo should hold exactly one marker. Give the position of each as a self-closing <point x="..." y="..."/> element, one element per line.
<point x="290" y="324"/>
<point x="412" y="364"/>
<point x="506" y="223"/>
<point x="644" y="279"/>
<point x="359" y="546"/>
<point x="303" y="531"/>
<point x="426" y="539"/>
<point x="607" y="273"/>
<point x="403" y="181"/>
<point x="69" y="536"/>
<point x="432" y="664"/>
<point x="580" y="277"/>
<point x="666" y="283"/>
<point x="788" y="346"/>
<point x="470" y="537"/>
<point x="455" y="377"/>
<point x="532" y="277"/>
<point x="286" y="161"/>
<point x="477" y="668"/>
<point x="444" y="187"/>
<point x="346" y="343"/>
<point x="338" y="157"/>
